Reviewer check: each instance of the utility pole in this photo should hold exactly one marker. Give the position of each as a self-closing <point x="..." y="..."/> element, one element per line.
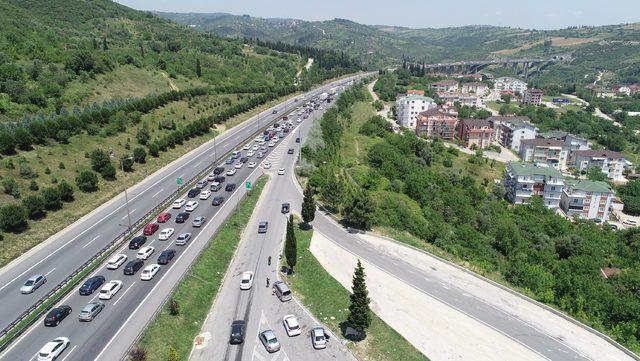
<point x="126" y="196"/>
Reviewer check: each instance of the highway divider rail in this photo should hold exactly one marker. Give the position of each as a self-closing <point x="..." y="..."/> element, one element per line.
<point x="33" y="313"/>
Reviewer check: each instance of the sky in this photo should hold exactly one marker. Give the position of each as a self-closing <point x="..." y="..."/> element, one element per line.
<point x="530" y="14"/>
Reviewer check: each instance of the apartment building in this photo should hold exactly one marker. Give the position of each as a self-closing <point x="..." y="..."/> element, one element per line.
<point x="532" y="97"/>
<point x="437" y="122"/>
<point x="475" y="88"/>
<point x="611" y="163"/>
<point x="573" y="142"/>
<point x="587" y="199"/>
<point x="506" y="83"/>
<point x="410" y="105"/>
<point x="525" y="180"/>
<point x="553" y="152"/>
<point x="467" y="99"/>
<point x="511" y="130"/>
<point x="475" y="132"/>
<point x="447" y="86"/>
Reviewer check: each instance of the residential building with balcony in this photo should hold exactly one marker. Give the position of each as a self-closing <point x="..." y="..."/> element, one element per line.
<point x="506" y="83"/>
<point x="572" y="141"/>
<point x="553" y="152"/>
<point x="467" y="99"/>
<point x="532" y="97"/>
<point x="587" y="199"/>
<point x="511" y="130"/>
<point x="447" y="86"/>
<point x="475" y="88"/>
<point x="611" y="163"/>
<point x="525" y="180"/>
<point x="437" y="122"/>
<point x="475" y="132"/>
<point x="409" y="106"/>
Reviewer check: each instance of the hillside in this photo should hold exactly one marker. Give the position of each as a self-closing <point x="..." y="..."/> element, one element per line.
<point x="614" y="48"/>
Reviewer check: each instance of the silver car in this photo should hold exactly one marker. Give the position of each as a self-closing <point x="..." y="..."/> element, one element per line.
<point x="269" y="341"/>
<point x="198" y="222"/>
<point x="318" y="338"/>
<point x="33" y="283"/>
<point x="90" y="311"/>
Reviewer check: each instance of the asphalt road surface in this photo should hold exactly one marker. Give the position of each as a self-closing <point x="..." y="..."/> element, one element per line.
<point x="259" y="307"/>
<point x="106" y="337"/>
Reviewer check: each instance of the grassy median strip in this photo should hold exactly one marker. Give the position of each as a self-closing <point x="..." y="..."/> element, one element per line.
<point x="196" y="291"/>
<point x="311" y="280"/>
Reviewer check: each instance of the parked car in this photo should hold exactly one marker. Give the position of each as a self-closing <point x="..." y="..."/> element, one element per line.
<point x="193" y="192"/>
<point x="178" y="203"/>
<point x="132" y="267"/>
<point x="150" y="229"/>
<point x="33" y="283"/>
<point x="90" y="285"/>
<point x="198" y="221"/>
<point x="318" y="338"/>
<point x="246" y="281"/>
<point x="237" y="332"/>
<point x="110" y="289"/>
<point x="217" y="200"/>
<point x="90" y="311"/>
<point x="166" y="233"/>
<point x="56" y="315"/>
<point x="116" y="261"/>
<point x="166" y="256"/>
<point x="149" y="272"/>
<point x="291" y="325"/>
<point x="285" y="208"/>
<point x="183" y="239"/>
<point x="137" y="242"/>
<point x="53" y="349"/>
<point x="230" y="187"/>
<point x="630" y="222"/>
<point x="145" y="252"/>
<point x="263" y="226"/>
<point x="269" y="341"/>
<point x="191" y="206"/>
<point x="182" y="217"/>
<point x="163" y="217"/>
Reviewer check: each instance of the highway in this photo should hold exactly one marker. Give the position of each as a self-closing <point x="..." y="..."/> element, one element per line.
<point x="258" y="306"/>
<point x="69" y="249"/>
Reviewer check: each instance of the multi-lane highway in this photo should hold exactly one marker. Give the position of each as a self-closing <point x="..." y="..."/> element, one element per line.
<point x="259" y="307"/>
<point x="69" y="249"/>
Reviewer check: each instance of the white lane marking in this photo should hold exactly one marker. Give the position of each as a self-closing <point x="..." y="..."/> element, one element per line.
<point x="91" y="241"/>
<point x="34" y="356"/>
<point x="198" y="164"/>
<point x="67" y="355"/>
<point x="48" y="273"/>
<point x="168" y="245"/>
<point x="156" y="193"/>
<point x="126" y="215"/>
<point x="124" y="293"/>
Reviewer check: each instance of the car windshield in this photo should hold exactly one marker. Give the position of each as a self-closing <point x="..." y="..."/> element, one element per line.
<point x="29" y="283"/>
<point x="44" y="354"/>
<point x="319" y="338"/>
<point x="245" y="281"/>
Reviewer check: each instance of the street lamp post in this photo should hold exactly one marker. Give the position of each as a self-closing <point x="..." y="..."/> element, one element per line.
<point x="126" y="195"/>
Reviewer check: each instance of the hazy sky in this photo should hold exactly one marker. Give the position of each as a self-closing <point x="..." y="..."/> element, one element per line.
<point x="539" y="14"/>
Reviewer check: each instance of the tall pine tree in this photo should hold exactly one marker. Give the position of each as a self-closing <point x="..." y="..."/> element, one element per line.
<point x="308" y="206"/>
<point x="105" y="47"/>
<point x="359" y="312"/>
<point x="198" y="68"/>
<point x="291" y="245"/>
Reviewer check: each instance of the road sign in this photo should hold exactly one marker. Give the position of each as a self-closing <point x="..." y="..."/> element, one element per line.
<point x="248" y="185"/>
<point x="179" y="181"/>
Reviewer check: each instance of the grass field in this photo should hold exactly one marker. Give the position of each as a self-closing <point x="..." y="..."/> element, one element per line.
<point x="310" y="280"/>
<point x="197" y="290"/>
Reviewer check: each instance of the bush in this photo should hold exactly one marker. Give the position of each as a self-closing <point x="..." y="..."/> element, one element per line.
<point x="138" y="354"/>
<point x="7" y="142"/>
<point x="139" y="155"/>
<point x="13" y="218"/>
<point x="99" y="160"/>
<point x="33" y="185"/>
<point x="26" y="172"/>
<point x="34" y="206"/>
<point x="127" y="164"/>
<point x="61" y="166"/>
<point x="154" y="150"/>
<point x="174" y="308"/>
<point x="108" y="172"/>
<point x="52" y="199"/>
<point x="87" y="181"/>
<point x="66" y="191"/>
<point x="11" y="187"/>
<point x="143" y="136"/>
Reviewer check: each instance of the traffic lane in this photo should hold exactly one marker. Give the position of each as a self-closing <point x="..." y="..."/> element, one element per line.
<point x="448" y="293"/>
<point x="60" y="261"/>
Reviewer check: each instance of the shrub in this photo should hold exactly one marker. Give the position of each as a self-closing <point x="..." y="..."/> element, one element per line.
<point x="99" y="160"/>
<point x="174" y="308"/>
<point x="127" y="164"/>
<point x="13" y="218"/>
<point x="34" y="206"/>
<point x="87" y="181"/>
<point x="66" y="191"/>
<point x="154" y="150"/>
<point x="108" y="172"/>
<point x="11" y="187"/>
<point x="33" y="186"/>
<point x="61" y="166"/>
<point x="143" y="136"/>
<point x="52" y="199"/>
<point x="139" y="155"/>
<point x="26" y="172"/>
<point x="138" y="354"/>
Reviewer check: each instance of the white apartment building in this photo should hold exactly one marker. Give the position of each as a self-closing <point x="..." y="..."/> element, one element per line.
<point x="447" y="86"/>
<point x="611" y="163"/>
<point x="409" y="106"/>
<point x="511" y="130"/>
<point x="506" y="83"/>
<point x="587" y="199"/>
<point x="553" y="152"/>
<point x="525" y="180"/>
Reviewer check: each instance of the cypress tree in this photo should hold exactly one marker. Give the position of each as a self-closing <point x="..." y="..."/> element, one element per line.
<point x="308" y="206"/>
<point x="290" y="245"/>
<point x="359" y="312"/>
<point x="141" y="50"/>
<point x="198" y="68"/>
<point x="105" y="47"/>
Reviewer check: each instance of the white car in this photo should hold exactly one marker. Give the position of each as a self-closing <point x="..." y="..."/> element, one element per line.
<point x="53" y="349"/>
<point x="251" y="164"/>
<point x="281" y="171"/>
<point x="630" y="222"/>
<point x="318" y="338"/>
<point x="116" y="261"/>
<point x="250" y="153"/>
<point x="255" y="147"/>
<point x="237" y="165"/>
<point x="266" y="164"/>
<point x="291" y="325"/>
<point x="149" y="271"/>
<point x="299" y="120"/>
<point x="231" y="172"/>
<point x="145" y="252"/>
<point x="205" y="194"/>
<point x="262" y="142"/>
<point x="191" y="206"/>
<point x="247" y="280"/>
<point x="165" y="234"/>
<point x="178" y="203"/>
<point x="272" y="144"/>
<point x="110" y="289"/>
<point x="247" y="147"/>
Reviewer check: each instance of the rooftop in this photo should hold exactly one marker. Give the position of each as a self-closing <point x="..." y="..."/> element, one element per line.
<point x="414" y="96"/>
<point x="530" y="169"/>
<point x="598" y="154"/>
<point x="475" y="123"/>
<point x="447" y="82"/>
<point x="540" y="142"/>
<point x="588" y="185"/>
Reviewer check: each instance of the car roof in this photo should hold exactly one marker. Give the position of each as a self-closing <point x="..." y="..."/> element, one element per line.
<point x="33" y="278"/>
<point x="291" y="319"/>
<point x="269" y="334"/>
<point x="48" y="347"/>
<point x="238" y="322"/>
<point x="318" y="331"/>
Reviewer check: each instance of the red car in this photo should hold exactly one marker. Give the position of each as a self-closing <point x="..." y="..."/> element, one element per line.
<point x="151" y="228"/>
<point x="163" y="217"/>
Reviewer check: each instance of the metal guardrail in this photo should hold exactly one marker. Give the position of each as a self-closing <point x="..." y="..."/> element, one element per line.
<point x="52" y="296"/>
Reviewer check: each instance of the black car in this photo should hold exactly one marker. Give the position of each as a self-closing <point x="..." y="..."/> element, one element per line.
<point x="217" y="200"/>
<point x="219" y="179"/>
<point x="133" y="266"/>
<point x="166" y="256"/>
<point x="244" y="159"/>
<point x="276" y="125"/>
<point x="56" y="315"/>
<point x="275" y="111"/>
<point x="193" y="192"/>
<point x="218" y="170"/>
<point x="137" y="242"/>
<point x="91" y="285"/>
<point x="230" y="187"/>
<point x="297" y="140"/>
<point x="237" y="332"/>
<point x="182" y="217"/>
<point x="285" y="129"/>
<point x="290" y="151"/>
<point x="285" y="208"/>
